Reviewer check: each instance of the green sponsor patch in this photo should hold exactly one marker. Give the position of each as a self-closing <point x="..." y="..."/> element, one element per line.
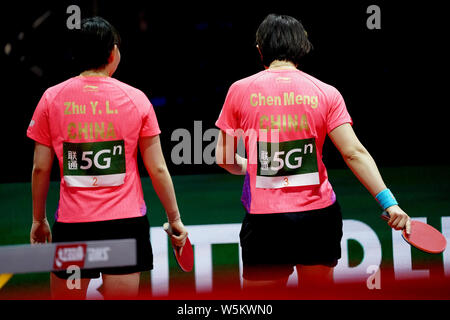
<point x="287" y="158"/>
<point x="94" y="158"/>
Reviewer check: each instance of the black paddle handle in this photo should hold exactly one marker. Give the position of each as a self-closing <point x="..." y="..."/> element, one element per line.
<point x="167" y="228"/>
<point x="385" y="216"/>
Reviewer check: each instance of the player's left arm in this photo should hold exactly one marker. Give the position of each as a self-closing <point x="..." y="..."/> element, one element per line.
<point x="226" y="154"/>
<point x="40" y="181"/>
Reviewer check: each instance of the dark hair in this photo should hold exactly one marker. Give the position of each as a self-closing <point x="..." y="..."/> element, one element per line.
<point x="94" y="42"/>
<point x="281" y="37"/>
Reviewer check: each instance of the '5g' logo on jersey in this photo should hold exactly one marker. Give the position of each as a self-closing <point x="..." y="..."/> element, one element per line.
<point x="287" y="164"/>
<point x="94" y="164"/>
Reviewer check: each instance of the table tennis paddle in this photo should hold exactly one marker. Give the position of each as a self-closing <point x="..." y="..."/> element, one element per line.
<point x="185" y="259"/>
<point x="422" y="236"/>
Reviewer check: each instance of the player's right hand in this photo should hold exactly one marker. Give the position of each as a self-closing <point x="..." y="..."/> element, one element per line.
<point x="179" y="235"/>
<point x="399" y="219"/>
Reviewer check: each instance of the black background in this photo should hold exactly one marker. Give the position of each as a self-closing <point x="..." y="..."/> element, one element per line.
<point x="186" y="55"/>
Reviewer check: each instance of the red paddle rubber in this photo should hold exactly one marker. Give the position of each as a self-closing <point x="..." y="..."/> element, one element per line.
<point x="422" y="236"/>
<point x="425" y="237"/>
<point x="186" y="259"/>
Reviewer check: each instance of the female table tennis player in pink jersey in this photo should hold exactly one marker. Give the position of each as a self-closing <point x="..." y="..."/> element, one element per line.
<point x="94" y="125"/>
<point x="284" y="115"/>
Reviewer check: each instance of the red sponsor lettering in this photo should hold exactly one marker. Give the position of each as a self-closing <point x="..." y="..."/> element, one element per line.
<point x="69" y="254"/>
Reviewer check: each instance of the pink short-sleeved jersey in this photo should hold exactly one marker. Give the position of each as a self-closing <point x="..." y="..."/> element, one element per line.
<point x="284" y="116"/>
<point x="94" y="124"/>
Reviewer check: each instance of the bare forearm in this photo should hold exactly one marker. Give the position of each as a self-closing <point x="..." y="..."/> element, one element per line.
<point x="40" y="182"/>
<point x="365" y="169"/>
<point x="239" y="167"/>
<point x="163" y="185"/>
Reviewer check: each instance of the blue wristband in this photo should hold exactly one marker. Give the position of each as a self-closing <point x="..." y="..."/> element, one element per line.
<point x="386" y="199"/>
